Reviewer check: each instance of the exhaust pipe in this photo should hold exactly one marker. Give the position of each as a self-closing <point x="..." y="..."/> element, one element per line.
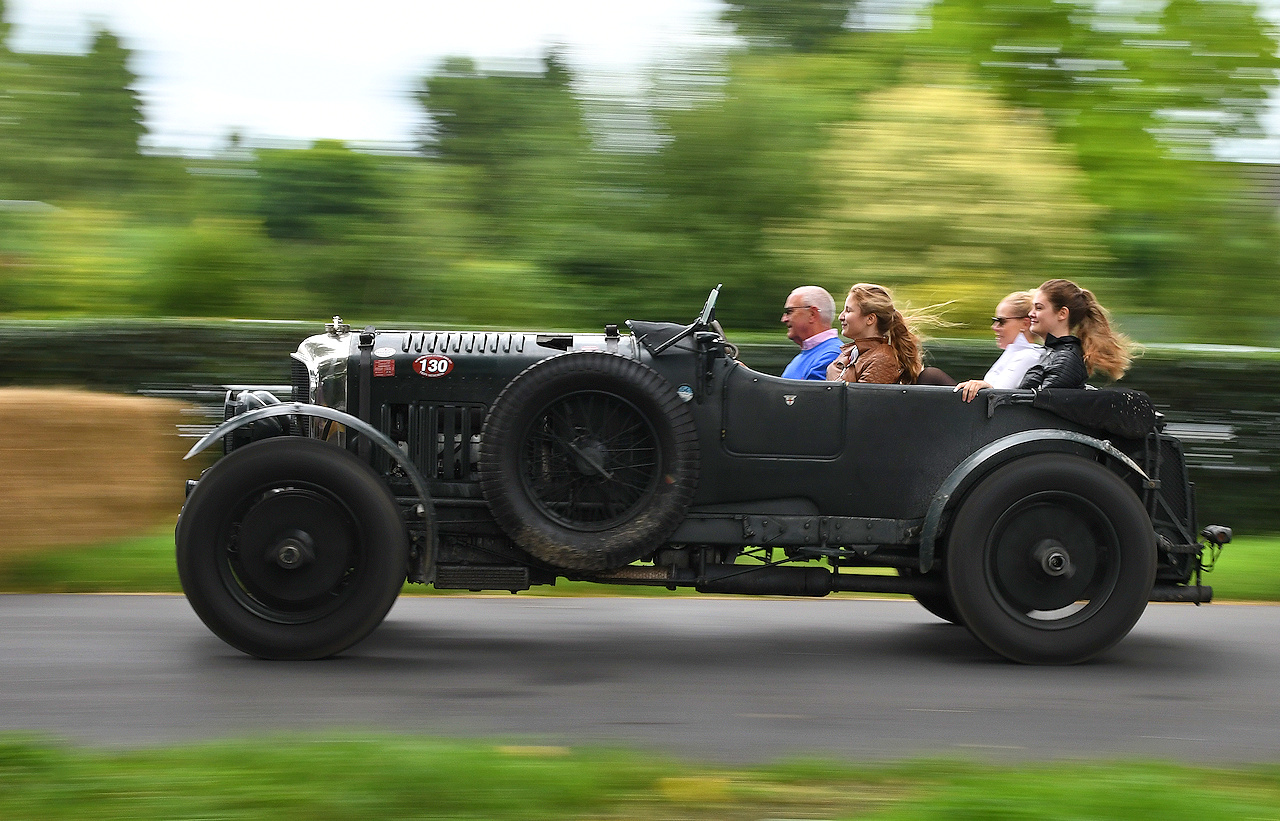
<point x="807" y="581"/>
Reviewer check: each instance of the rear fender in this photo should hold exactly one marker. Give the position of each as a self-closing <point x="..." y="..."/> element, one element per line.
<point x="994" y="454"/>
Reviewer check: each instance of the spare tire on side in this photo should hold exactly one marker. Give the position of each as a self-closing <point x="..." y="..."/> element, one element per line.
<point x="589" y="460"/>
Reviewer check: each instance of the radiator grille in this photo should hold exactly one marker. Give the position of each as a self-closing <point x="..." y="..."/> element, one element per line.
<point x="300" y="380"/>
<point x="444" y="440"/>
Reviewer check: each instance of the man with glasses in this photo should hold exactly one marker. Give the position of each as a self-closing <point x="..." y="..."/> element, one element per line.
<point x="808" y="313"/>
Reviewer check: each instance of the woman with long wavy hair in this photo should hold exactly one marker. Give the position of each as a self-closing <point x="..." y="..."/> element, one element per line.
<point x="1078" y="338"/>
<point x="884" y="348"/>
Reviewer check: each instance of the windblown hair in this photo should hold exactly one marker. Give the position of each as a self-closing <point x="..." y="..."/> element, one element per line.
<point x="1106" y="350"/>
<point x="892" y="324"/>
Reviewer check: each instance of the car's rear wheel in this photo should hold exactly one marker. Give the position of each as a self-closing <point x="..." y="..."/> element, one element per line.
<point x="1051" y="560"/>
<point x="589" y="460"/>
<point x="291" y="548"/>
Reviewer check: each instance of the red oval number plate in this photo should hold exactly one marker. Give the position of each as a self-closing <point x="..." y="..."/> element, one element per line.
<point x="433" y="365"/>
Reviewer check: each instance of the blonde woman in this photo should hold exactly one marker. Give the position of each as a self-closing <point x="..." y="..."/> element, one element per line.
<point x="1012" y="326"/>
<point x="883" y="348"/>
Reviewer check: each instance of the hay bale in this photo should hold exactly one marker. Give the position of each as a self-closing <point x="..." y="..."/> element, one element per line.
<point x="82" y="467"/>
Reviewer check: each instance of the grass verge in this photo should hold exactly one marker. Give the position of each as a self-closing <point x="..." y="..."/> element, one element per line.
<point x="1249" y="570"/>
<point x="411" y="777"/>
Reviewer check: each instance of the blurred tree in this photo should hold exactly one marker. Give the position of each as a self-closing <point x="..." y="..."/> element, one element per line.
<point x="208" y="269"/>
<point x="523" y="132"/>
<point x="69" y="124"/>
<point x="108" y="112"/>
<point x="802" y="25"/>
<point x="942" y="188"/>
<point x="307" y="194"/>
<point x="329" y="207"/>
<point x="727" y="172"/>
<point x="1144" y="92"/>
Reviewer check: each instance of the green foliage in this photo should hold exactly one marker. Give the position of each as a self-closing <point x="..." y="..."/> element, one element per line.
<point x="332" y="213"/>
<point x="309" y="194"/>
<point x="729" y="168"/>
<point x="1141" y="92"/>
<point x="523" y="131"/>
<point x="802" y="25"/>
<point x="208" y="269"/>
<point x="108" y="114"/>
<point x="69" y="124"/>
<point x="1003" y="142"/>
<point x="83" y="260"/>
<point x="942" y="188"/>
<point x="360" y="777"/>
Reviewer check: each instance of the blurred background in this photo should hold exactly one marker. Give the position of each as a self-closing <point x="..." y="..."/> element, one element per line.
<point x="559" y="166"/>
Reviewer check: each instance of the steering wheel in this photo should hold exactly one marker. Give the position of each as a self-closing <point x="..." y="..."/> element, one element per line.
<point x="706" y="319"/>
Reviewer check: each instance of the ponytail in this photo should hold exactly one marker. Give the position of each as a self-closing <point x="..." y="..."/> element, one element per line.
<point x="906" y="346"/>
<point x="1106" y="350"/>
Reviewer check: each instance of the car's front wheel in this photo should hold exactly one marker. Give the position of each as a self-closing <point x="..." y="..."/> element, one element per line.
<point x="1050" y="560"/>
<point x="291" y="548"/>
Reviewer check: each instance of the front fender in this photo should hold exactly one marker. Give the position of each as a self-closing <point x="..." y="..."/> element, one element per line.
<point x="986" y="457"/>
<point x="353" y="423"/>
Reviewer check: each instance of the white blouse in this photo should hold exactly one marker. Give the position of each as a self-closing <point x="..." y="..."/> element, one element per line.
<point x="1009" y="369"/>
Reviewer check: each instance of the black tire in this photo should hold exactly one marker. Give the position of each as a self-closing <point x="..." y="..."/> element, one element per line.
<point x="589" y="460"/>
<point x="1051" y="560"/>
<point x="291" y="548"/>
<point x="939" y="605"/>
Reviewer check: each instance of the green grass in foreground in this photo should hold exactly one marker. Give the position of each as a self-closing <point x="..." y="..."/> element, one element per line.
<point x="1248" y="571"/>
<point x="362" y="778"/>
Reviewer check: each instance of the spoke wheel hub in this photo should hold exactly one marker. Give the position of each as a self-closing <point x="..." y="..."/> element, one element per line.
<point x="1052" y="559"/>
<point x="293" y="549"/>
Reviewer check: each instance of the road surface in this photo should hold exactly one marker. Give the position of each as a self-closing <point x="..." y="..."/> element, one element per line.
<point x="732" y="680"/>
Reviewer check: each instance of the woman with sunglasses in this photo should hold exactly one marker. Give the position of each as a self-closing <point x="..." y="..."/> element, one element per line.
<point x="1078" y="338"/>
<point x="1012" y="326"/>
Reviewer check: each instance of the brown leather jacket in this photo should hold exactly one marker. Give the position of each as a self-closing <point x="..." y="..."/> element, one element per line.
<point x="876" y="362"/>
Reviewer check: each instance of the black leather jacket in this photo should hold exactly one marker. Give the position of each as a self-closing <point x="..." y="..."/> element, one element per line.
<point x="1060" y="366"/>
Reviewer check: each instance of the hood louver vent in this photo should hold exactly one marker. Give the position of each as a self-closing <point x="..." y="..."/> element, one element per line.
<point x="416" y="342"/>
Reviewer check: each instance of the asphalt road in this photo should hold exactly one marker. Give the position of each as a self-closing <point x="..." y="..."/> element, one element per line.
<point x="732" y="680"/>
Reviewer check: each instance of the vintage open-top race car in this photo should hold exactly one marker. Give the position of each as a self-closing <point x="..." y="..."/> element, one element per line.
<point x="1043" y="522"/>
